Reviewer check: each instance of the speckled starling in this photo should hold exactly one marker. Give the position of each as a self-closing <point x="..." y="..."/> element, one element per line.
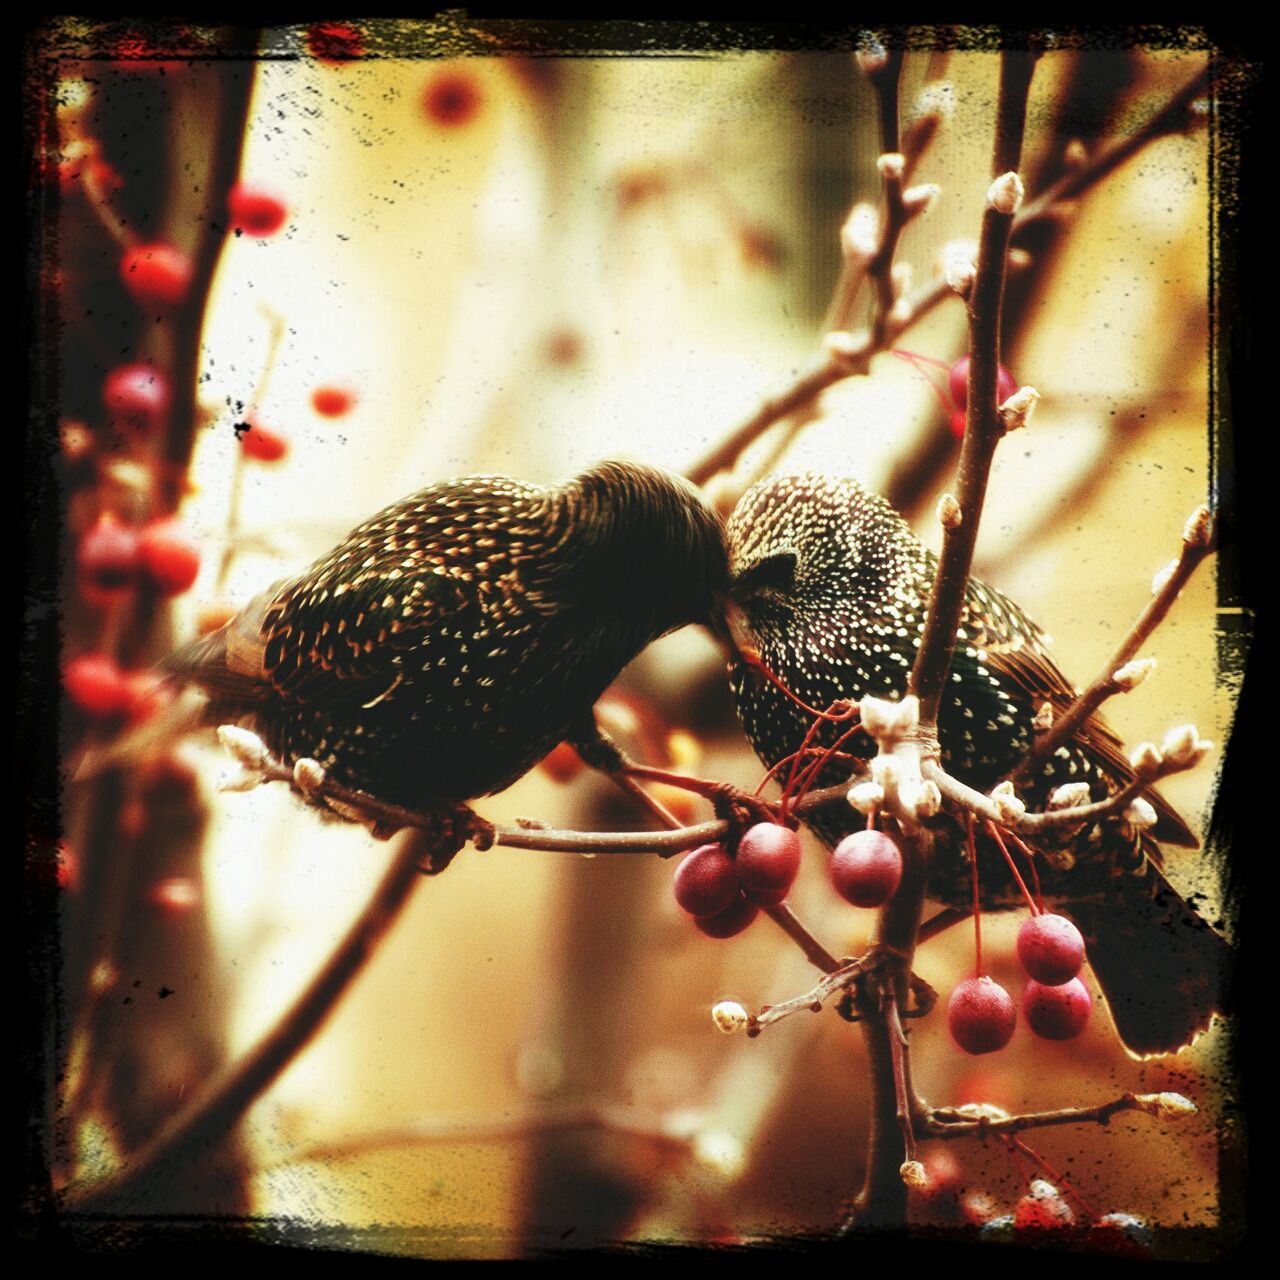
<point x="443" y="647"/>
<point x="833" y="589"/>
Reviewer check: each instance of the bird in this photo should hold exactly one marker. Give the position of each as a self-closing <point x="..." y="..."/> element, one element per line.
<point x="449" y="642"/>
<point x="829" y="590"/>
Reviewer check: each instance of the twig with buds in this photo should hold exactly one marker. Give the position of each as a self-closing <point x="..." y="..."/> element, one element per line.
<point x="1123" y="671"/>
<point x="980" y="1119"/>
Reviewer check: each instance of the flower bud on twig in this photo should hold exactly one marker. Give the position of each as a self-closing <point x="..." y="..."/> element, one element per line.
<point x="1171" y="1106"/>
<point x="1146" y="759"/>
<point x="1183" y="747"/>
<point x="1043" y="720"/>
<point x="845" y="346"/>
<point x="891" y="164"/>
<point x="958" y="265"/>
<point x="1071" y="795"/>
<point x="1132" y="674"/>
<point x="860" y="233"/>
<point x="913" y="1174"/>
<point x="918" y="200"/>
<point x="309" y="775"/>
<point x="1005" y="194"/>
<point x="866" y="797"/>
<point x="1198" y="531"/>
<point x="1140" y="814"/>
<point x="729" y="1016"/>
<point x="950" y="516"/>
<point x="1017" y="409"/>
<point x="1008" y="807"/>
<point x="247" y="747"/>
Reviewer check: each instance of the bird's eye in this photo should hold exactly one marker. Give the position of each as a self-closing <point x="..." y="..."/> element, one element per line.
<point x="776" y="572"/>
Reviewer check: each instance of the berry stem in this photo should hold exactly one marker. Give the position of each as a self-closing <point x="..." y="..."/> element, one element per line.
<point x="1060" y="1180"/>
<point x="1030" y="855"/>
<point x="994" y="832"/>
<point x="977" y="904"/>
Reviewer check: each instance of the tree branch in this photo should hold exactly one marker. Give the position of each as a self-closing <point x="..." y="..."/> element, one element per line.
<point x="978" y="1119"/>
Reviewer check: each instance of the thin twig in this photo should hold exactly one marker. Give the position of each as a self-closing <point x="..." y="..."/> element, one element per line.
<point x="812" y="1000"/>
<point x="1105" y="685"/>
<point x="977" y="1120"/>
<point x="814" y="951"/>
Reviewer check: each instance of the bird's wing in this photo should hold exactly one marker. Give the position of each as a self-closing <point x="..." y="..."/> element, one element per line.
<point x="1027" y="667"/>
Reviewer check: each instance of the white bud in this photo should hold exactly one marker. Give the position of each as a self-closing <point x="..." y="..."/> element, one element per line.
<point x="1019" y="258"/>
<point x="918" y="200"/>
<point x="860" y="234"/>
<point x="901" y="275"/>
<point x="1169" y="1105"/>
<point x="892" y="164"/>
<point x="1198" y="530"/>
<point x="247" y="747"/>
<point x="901" y="312"/>
<point x="928" y="799"/>
<point x="866" y="797"/>
<point x="1005" y="194"/>
<point x="1043" y="717"/>
<point x="913" y="1174"/>
<point x="886" y="772"/>
<point x="1008" y="807"/>
<point x="238" y="780"/>
<point x="958" y="258"/>
<point x="908" y="716"/>
<point x="1162" y="578"/>
<point x="1183" y="747"/>
<point x="308" y="775"/>
<point x="729" y="1016"/>
<point x="1071" y="795"/>
<point x="938" y="98"/>
<point x="950" y="515"/>
<point x="872" y="56"/>
<point x="1017" y="409"/>
<point x="1132" y="674"/>
<point x="1146" y="759"/>
<point x="878" y="716"/>
<point x="1140" y="814"/>
<point x="845" y="346"/>
<point x="981" y="1111"/>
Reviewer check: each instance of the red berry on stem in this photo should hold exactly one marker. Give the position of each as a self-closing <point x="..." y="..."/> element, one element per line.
<point x="108" y="560"/>
<point x="451" y="99"/>
<point x="332" y="401"/>
<point x="1056" y="1013"/>
<point x="732" y="920"/>
<point x="255" y="210"/>
<point x="1051" y="949"/>
<point x="958" y="424"/>
<point x="767" y="861"/>
<point x="981" y="1015"/>
<point x="96" y="684"/>
<point x="562" y="763"/>
<point x="866" y="868"/>
<point x="262" y="443"/>
<point x="334" y="42"/>
<point x="156" y="273"/>
<point x="706" y="881"/>
<point x="136" y="396"/>
<point x="1043" y="1209"/>
<point x="170" y="556"/>
<point x="958" y="381"/>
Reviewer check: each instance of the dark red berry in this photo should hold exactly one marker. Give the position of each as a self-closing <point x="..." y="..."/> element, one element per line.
<point x="1043" y="1209"/>
<point x="562" y="763"/>
<point x="1056" y="1013"/>
<point x="451" y="99"/>
<point x="332" y="401"/>
<point x="262" y="443"/>
<point x="1051" y="949"/>
<point x="732" y="920"/>
<point x="170" y="556"/>
<point x="981" y="1015"/>
<point x="255" y="210"/>
<point x="768" y="859"/>
<point x="136" y="396"/>
<point x="334" y="42"/>
<point x="706" y="881"/>
<point x="958" y="380"/>
<point x="866" y="868"/>
<point x="108" y="560"/>
<point x="95" y="683"/>
<point x="156" y="273"/>
<point x="958" y="423"/>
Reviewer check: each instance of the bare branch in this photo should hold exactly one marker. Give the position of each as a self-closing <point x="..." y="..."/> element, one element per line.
<point x="978" y="1120"/>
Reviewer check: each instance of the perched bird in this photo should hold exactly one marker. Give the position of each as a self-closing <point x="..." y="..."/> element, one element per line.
<point x="445" y="645"/>
<point x="831" y="588"/>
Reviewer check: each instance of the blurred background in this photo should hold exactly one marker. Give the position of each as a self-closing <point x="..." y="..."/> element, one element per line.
<point x="524" y="264"/>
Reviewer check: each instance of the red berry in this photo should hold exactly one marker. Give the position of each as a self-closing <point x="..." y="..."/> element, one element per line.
<point x="562" y="763"/>
<point x="334" y="42"/>
<point x="332" y="402"/>
<point x="255" y="210"/>
<point x="136" y="396"/>
<point x="1043" y="1209"/>
<point x="262" y="443"/>
<point x="767" y="860"/>
<point x="452" y="99"/>
<point x="732" y="920"/>
<point x="958" y="424"/>
<point x="866" y="868"/>
<point x="108" y="560"/>
<point x="981" y="1015"/>
<point x="1051" y="949"/>
<point x="169" y="555"/>
<point x="145" y="693"/>
<point x="958" y="380"/>
<point x="156" y="273"/>
<point x="96" y="684"/>
<point x="706" y="881"/>
<point x="1056" y="1013"/>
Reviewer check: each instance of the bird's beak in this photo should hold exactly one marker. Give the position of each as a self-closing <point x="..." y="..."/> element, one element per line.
<point x="731" y="629"/>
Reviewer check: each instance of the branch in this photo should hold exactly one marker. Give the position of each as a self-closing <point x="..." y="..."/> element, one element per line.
<point x="203" y="1126"/>
<point x="979" y="1119"/>
<point x="1197" y="545"/>
<point x="983" y="428"/>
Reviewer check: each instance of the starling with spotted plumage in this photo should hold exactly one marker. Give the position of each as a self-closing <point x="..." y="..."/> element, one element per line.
<point x="830" y="587"/>
<point x="442" y="648"/>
